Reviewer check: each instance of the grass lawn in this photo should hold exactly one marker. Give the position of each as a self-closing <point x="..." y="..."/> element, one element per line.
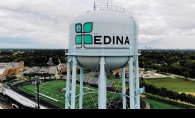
<point x="177" y="84"/>
<point x="159" y="105"/>
<point x="51" y="92"/>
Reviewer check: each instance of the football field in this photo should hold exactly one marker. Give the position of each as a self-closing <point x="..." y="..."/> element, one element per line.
<point x="51" y="92"/>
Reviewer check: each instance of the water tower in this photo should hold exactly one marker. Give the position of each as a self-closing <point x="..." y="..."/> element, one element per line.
<point x="103" y="38"/>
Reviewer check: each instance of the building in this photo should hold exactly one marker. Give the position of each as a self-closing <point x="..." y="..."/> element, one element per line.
<point x="41" y="71"/>
<point x="11" y="68"/>
<point x="62" y="68"/>
<point x="119" y="72"/>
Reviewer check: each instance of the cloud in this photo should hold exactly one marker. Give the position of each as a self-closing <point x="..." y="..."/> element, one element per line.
<point x="45" y="23"/>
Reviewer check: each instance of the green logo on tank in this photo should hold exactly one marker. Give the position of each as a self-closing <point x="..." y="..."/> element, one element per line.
<point x="83" y="31"/>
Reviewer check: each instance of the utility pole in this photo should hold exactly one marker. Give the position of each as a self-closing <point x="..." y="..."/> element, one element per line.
<point x="94" y="6"/>
<point x="37" y="83"/>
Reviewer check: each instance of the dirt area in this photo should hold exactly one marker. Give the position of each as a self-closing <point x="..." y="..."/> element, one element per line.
<point x="192" y="93"/>
<point x="157" y="75"/>
<point x="150" y="74"/>
<point x="142" y="95"/>
<point x="185" y="103"/>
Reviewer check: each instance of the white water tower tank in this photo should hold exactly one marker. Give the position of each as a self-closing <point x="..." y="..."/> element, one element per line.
<point x="101" y="40"/>
<point x="107" y="33"/>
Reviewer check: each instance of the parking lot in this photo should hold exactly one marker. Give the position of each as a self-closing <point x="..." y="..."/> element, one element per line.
<point x="150" y="74"/>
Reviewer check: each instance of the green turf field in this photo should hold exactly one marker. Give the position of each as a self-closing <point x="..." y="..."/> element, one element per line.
<point x="177" y="84"/>
<point x="51" y="92"/>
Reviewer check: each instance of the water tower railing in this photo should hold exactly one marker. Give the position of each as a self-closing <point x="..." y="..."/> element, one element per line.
<point x="109" y="7"/>
<point x="121" y="10"/>
<point x="116" y="8"/>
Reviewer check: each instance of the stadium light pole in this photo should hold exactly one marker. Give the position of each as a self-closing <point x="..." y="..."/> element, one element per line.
<point x="37" y="83"/>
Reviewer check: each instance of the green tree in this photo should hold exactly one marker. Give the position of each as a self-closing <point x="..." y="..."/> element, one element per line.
<point x="175" y="96"/>
<point x="186" y="74"/>
<point x="175" y="68"/>
<point x="163" y="92"/>
<point x="182" y="97"/>
<point x="141" y="64"/>
<point x="155" y="66"/>
<point x="170" y="94"/>
<point x="189" y="98"/>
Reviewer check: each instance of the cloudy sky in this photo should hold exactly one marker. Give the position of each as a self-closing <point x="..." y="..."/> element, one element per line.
<point x="163" y="24"/>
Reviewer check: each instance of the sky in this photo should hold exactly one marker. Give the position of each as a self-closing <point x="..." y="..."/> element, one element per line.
<point x="163" y="24"/>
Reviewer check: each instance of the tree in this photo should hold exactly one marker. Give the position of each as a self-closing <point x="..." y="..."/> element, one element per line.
<point x="182" y="97"/>
<point x="158" y="91"/>
<point x="175" y="96"/>
<point x="155" y="66"/>
<point x="143" y="84"/>
<point x="175" y="68"/>
<point x="163" y="69"/>
<point x="11" y="77"/>
<point x="55" y="60"/>
<point x="186" y="74"/>
<point x="141" y="64"/>
<point x="170" y="94"/>
<point x="189" y="98"/>
<point x="163" y="92"/>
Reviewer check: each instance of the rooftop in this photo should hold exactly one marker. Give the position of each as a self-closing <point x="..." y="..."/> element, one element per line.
<point x="9" y="65"/>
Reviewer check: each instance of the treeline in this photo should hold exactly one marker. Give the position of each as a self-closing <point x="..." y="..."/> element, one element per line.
<point x="9" y="78"/>
<point x="33" y="57"/>
<point x="163" y="92"/>
<point x="175" y="62"/>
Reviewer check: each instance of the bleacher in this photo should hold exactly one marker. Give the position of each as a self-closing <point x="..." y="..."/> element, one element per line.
<point x="22" y="100"/>
<point x="90" y="80"/>
<point x="93" y="81"/>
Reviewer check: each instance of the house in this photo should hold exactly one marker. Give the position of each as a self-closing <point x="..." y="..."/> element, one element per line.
<point x="118" y="72"/>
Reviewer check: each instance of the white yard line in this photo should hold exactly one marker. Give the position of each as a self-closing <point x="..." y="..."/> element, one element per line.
<point x="48" y="97"/>
<point x="86" y="87"/>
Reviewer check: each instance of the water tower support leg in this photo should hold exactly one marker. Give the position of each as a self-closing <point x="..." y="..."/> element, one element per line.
<point x="137" y="84"/>
<point x="131" y="85"/>
<point x="67" y="83"/>
<point x="102" y="85"/>
<point x="81" y="89"/>
<point x="123" y="88"/>
<point x="73" y="91"/>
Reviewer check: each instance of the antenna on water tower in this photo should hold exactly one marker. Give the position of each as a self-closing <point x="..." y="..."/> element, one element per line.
<point x="94" y="6"/>
<point x="107" y="4"/>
